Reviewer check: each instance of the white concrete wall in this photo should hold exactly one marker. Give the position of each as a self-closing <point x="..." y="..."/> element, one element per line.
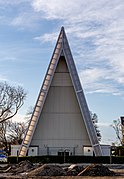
<point x="88" y="151"/>
<point x="61" y="126"/>
<point x="33" y="151"/>
<point x="15" y="150"/>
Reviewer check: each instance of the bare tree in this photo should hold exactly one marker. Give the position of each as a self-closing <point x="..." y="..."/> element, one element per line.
<point x="16" y="131"/>
<point x="11" y="100"/>
<point x="117" y="126"/>
<point x="3" y="138"/>
<point x="11" y="133"/>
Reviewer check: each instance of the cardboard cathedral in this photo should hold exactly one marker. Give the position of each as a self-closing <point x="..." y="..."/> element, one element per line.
<point x="61" y="119"/>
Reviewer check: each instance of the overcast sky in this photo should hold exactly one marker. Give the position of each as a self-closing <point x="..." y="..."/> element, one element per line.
<point x="95" y="30"/>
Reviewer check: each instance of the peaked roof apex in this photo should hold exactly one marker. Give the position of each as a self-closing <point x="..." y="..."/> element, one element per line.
<point x="62" y="28"/>
<point x="62" y="31"/>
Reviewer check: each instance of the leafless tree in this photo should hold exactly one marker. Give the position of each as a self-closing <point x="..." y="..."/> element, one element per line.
<point x="117" y="126"/>
<point x="3" y="138"/>
<point x="11" y="100"/>
<point x="11" y="133"/>
<point x="16" y="131"/>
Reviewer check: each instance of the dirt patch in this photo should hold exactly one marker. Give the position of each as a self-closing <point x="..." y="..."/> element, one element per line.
<point x="55" y="170"/>
<point x="27" y="169"/>
<point x="23" y="166"/>
<point x="74" y="170"/>
<point x="97" y="170"/>
<point x="48" y="170"/>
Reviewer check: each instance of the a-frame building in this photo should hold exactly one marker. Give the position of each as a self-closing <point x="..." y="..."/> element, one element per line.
<point x="61" y="120"/>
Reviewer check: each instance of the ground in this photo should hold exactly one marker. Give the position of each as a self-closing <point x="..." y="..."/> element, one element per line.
<point x="26" y="169"/>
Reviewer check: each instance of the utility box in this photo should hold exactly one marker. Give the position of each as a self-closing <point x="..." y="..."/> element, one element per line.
<point x="88" y="151"/>
<point x="15" y="150"/>
<point x="33" y="151"/>
<point x="106" y="150"/>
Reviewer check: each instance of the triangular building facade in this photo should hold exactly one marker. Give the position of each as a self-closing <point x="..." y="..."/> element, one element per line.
<point x="61" y="120"/>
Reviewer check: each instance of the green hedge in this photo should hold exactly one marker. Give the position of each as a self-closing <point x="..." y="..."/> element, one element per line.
<point x="118" y="160"/>
<point x="37" y="159"/>
<point x="68" y="159"/>
<point x="3" y="162"/>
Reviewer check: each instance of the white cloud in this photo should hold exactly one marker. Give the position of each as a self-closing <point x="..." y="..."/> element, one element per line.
<point x="18" y="13"/>
<point x="55" y="10"/>
<point x="75" y="10"/>
<point x="101" y="80"/>
<point x="23" y="21"/>
<point x="47" y="37"/>
<point x="96" y="29"/>
<point x="93" y="74"/>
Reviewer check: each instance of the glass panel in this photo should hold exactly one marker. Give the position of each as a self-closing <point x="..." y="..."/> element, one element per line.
<point x="59" y="45"/>
<point x="46" y="82"/>
<point x="39" y="103"/>
<point x="57" y="51"/>
<point x="37" y="109"/>
<point x="53" y="61"/>
<point x="55" y="56"/>
<point x="29" y="133"/>
<point x="23" y="149"/>
<point x="50" y="71"/>
<point x="32" y="123"/>
<point x="48" y="77"/>
<point x="27" y="138"/>
<point x="30" y="128"/>
<point x="35" y="117"/>
<point x="41" y="98"/>
<point x="52" y="66"/>
<point x="44" y="87"/>
<point x="42" y="93"/>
